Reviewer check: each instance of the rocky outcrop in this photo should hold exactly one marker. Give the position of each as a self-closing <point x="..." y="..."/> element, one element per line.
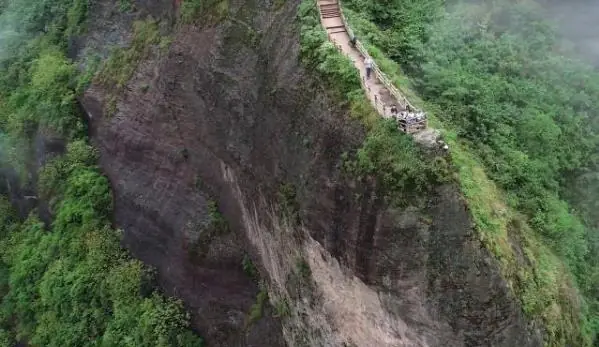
<point x="230" y="115"/>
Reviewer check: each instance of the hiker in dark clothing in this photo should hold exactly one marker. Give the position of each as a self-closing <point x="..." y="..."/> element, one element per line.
<point x="352" y="41"/>
<point x="368" y="63"/>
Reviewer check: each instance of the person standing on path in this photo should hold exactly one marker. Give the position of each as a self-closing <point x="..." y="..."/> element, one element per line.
<point x="368" y="64"/>
<point x="394" y="111"/>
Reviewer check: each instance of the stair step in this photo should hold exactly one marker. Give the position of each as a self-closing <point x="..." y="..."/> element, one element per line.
<point x="331" y="9"/>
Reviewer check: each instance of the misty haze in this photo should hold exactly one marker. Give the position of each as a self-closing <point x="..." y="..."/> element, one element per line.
<point x="310" y="173"/>
<point x="578" y="22"/>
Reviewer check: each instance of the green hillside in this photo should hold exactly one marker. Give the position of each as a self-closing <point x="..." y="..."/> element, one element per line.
<point x="72" y="285"/>
<point x="520" y="113"/>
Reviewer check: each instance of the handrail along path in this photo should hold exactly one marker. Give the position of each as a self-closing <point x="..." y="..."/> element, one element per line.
<point x="379" y="89"/>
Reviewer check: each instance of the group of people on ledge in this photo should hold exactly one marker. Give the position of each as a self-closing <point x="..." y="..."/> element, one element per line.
<point x="405" y="118"/>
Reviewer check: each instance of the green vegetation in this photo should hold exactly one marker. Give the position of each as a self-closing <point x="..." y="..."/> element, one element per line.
<point x="249" y="268"/>
<point x="74" y="284"/>
<point x="125" y="5"/>
<point x="278" y="4"/>
<point x="289" y="204"/>
<point x="123" y="62"/>
<point x="199" y="183"/>
<point x="257" y="308"/>
<point x="210" y="11"/>
<point x="214" y="226"/>
<point x="218" y="224"/>
<point x="396" y="162"/>
<point x="68" y="284"/>
<point x="302" y="268"/>
<point x="517" y="114"/>
<point x="190" y="10"/>
<point x="387" y="154"/>
<point x="321" y="56"/>
<point x="282" y="308"/>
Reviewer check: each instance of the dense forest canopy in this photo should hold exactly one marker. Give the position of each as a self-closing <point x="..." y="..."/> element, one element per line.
<point x="71" y="285"/>
<point x="527" y="106"/>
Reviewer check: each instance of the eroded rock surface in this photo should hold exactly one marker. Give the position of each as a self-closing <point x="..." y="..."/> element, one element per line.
<point x="230" y="115"/>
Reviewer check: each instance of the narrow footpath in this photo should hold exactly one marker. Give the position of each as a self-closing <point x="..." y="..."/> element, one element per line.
<point x="378" y="93"/>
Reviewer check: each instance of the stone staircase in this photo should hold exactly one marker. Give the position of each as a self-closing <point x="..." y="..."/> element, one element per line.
<point x="379" y="89"/>
<point x="329" y="9"/>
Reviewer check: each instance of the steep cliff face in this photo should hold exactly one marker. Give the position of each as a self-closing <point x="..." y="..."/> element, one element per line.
<point x="229" y="115"/>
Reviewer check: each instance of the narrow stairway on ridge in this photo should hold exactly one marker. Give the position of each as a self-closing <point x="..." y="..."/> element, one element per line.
<point x="380" y="96"/>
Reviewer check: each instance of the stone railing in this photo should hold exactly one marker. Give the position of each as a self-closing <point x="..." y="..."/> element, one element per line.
<point x="407" y="122"/>
<point x="378" y="73"/>
<point x="385" y="80"/>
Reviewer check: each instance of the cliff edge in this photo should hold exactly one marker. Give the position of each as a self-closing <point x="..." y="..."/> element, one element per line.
<point x="226" y="154"/>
